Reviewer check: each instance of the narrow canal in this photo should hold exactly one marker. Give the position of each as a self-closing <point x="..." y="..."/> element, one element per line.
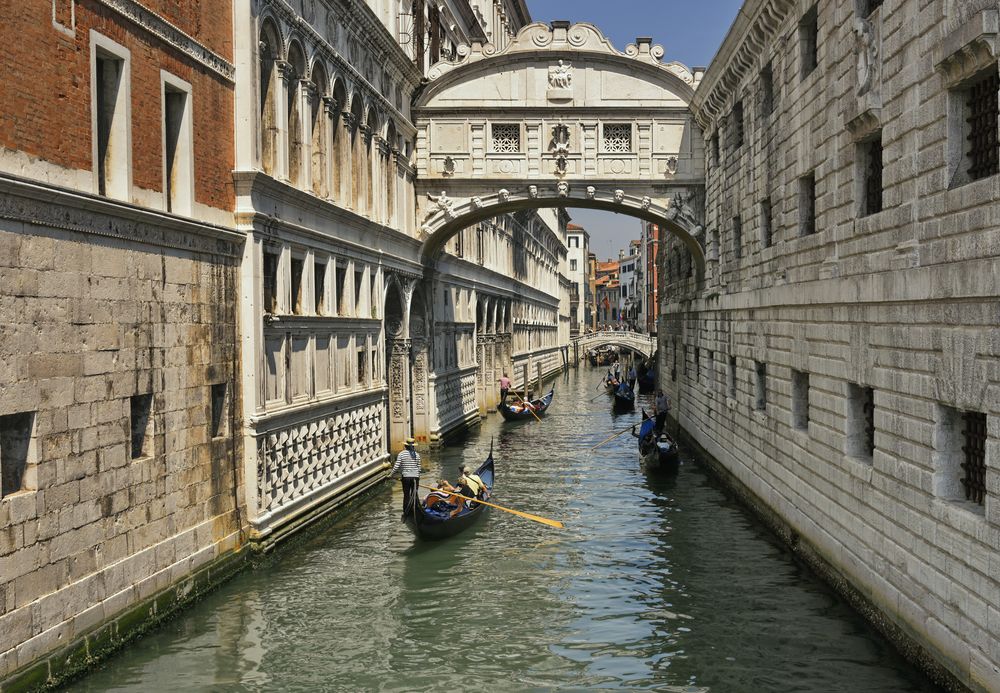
<point x="656" y="583"/>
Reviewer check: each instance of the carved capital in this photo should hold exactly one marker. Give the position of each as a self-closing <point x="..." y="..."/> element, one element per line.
<point x="286" y="70"/>
<point x="330" y="106"/>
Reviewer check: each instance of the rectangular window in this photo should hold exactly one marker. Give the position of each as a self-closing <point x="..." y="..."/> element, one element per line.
<point x="506" y="138"/>
<point x="737" y="237"/>
<point x="715" y="150"/>
<point x="296" y="287"/>
<point x="219" y="407"/>
<point x="807" y="205"/>
<point x="760" y="385"/>
<point x="871" y="5"/>
<point x="572" y="265"/>
<point x="140" y="421"/>
<point x="766" y="223"/>
<point x="16" y="453"/>
<point x="983" y="108"/>
<point x="319" y="287"/>
<point x="343" y="300"/>
<point x="362" y="366"/>
<point x="731" y="378"/>
<point x="697" y="364"/>
<point x="617" y="138"/>
<point x="860" y="421"/>
<point x="800" y="400"/>
<point x="359" y="282"/>
<point x="959" y="457"/>
<point x="809" y="42"/>
<point x="574" y="241"/>
<point x="110" y="116"/>
<point x="870" y="159"/>
<point x="178" y="158"/>
<point x="270" y="271"/>
<point x="737" y="125"/>
<point x="766" y="91"/>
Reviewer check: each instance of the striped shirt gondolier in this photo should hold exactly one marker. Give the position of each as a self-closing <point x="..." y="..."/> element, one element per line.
<point x="407" y="464"/>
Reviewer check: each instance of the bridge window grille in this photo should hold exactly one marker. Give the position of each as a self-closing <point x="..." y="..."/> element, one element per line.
<point x="872" y="160"/>
<point x="715" y="151"/>
<point x="974" y="447"/>
<point x="983" y="109"/>
<point x="506" y="138"/>
<point x="617" y="138"/>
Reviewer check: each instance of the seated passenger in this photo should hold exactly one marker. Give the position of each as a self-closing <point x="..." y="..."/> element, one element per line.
<point x="470" y="483"/>
<point x="443" y="499"/>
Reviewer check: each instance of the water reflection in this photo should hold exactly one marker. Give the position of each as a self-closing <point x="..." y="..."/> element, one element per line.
<point x="657" y="583"/>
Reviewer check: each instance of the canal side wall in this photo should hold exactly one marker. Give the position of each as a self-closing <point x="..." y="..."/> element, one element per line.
<point x="839" y="358"/>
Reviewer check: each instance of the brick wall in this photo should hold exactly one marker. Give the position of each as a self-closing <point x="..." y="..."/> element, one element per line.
<point x="47" y="100"/>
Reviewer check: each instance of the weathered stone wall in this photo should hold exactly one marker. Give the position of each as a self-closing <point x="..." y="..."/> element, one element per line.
<point x="902" y="301"/>
<point x="102" y="304"/>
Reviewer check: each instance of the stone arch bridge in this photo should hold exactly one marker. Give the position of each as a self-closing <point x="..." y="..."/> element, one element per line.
<point x="558" y="118"/>
<point x="643" y="344"/>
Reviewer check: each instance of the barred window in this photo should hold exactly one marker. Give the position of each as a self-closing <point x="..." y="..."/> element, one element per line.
<point x="809" y="42"/>
<point x="766" y="223"/>
<point x="618" y="138"/>
<point x="738" y="125"/>
<point x="983" y="110"/>
<point x="974" y="447"/>
<point x="767" y="90"/>
<point x="506" y="138"/>
<point x="872" y="161"/>
<point x="737" y="237"/>
<point x="807" y="205"/>
<point x="871" y="5"/>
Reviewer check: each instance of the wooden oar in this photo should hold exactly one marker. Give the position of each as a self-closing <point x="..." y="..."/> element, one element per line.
<point x="600" y="395"/>
<point x="529" y="516"/>
<point x="527" y="407"/>
<point x="618" y="434"/>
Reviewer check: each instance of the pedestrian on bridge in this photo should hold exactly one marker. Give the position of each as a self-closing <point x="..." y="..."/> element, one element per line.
<point x="408" y="467"/>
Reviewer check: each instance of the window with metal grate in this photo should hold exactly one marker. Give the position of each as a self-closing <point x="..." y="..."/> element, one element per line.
<point x="974" y="447"/>
<point x="873" y="175"/>
<point x="983" y="111"/>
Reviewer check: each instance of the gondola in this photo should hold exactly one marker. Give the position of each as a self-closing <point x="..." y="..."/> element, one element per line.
<point x="646" y="382"/>
<point x="611" y="385"/>
<point x="541" y="405"/>
<point x="658" y="453"/>
<point x="432" y="525"/>
<point x="624" y="400"/>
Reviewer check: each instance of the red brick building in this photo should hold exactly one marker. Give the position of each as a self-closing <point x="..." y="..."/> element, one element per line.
<point x="120" y="476"/>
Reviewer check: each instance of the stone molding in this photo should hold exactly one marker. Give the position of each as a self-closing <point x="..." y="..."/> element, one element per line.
<point x="582" y="38"/>
<point x="969" y="48"/>
<point x="755" y="28"/>
<point x="167" y="32"/>
<point x="54" y="208"/>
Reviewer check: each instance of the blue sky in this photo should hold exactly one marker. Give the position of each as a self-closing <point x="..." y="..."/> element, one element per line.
<point x="689" y="32"/>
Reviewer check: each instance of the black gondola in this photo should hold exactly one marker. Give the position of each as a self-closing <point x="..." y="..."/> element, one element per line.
<point x="432" y="524"/>
<point x="658" y="452"/>
<point x="540" y="405"/>
<point x="646" y="382"/>
<point x="624" y="399"/>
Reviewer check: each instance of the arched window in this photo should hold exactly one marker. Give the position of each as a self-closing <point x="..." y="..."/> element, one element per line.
<point x="391" y="176"/>
<point x="296" y="143"/>
<point x="340" y="171"/>
<point x="371" y="151"/>
<point x="270" y="49"/>
<point x="320" y="121"/>
<point x="358" y="160"/>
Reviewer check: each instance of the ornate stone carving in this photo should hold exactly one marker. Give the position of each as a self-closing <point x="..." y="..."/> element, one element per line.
<point x="477" y="203"/>
<point x="504" y="195"/>
<point x="671" y="165"/>
<point x="591" y="192"/>
<point x="562" y="188"/>
<point x="449" y="166"/>
<point x="646" y="202"/>
<point x="443" y="204"/>
<point x="561" y="75"/>
<point x="560" y="139"/>
<point x="866" y="52"/>
<point x="619" y="196"/>
<point x="533" y="191"/>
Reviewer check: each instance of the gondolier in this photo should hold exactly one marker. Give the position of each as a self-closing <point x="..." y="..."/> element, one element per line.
<point x="661" y="407"/>
<point x="504" y="387"/>
<point x="408" y="467"/>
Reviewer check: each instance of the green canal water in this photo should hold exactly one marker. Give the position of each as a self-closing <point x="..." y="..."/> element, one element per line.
<point x="662" y="584"/>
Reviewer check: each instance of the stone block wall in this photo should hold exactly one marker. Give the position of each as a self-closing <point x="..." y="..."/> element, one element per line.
<point x="118" y="327"/>
<point x="804" y="322"/>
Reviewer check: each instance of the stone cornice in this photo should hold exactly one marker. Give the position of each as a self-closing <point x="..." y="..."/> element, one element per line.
<point x="969" y="48"/>
<point x="167" y="32"/>
<point x="60" y="208"/>
<point x="755" y="27"/>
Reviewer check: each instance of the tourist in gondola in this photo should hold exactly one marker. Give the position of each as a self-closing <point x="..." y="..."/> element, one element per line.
<point x="469" y="483"/>
<point x="661" y="407"/>
<point x="443" y="498"/>
<point x="408" y="467"/>
<point x="504" y="387"/>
